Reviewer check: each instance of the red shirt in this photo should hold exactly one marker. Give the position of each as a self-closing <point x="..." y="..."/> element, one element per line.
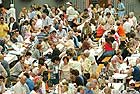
<point x="108" y="47"/>
<point x="121" y="31"/>
<point x="100" y="31"/>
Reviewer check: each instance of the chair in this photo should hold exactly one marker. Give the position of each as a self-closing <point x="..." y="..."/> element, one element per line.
<point x="99" y="68"/>
<point x="106" y="59"/>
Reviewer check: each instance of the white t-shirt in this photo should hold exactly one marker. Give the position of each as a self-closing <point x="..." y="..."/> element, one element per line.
<point x="127" y="27"/>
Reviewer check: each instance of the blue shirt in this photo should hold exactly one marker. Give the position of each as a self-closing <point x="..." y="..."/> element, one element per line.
<point x="30" y="84"/>
<point x="121" y="10"/>
<point x="87" y="91"/>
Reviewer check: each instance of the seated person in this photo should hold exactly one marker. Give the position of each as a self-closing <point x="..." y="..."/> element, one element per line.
<point x="108" y="49"/>
<point x="134" y="71"/>
<point x="18" y="68"/>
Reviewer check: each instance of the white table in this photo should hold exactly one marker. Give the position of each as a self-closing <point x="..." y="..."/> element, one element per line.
<point x="118" y="76"/>
<point x="10" y="58"/>
<point x="117" y="86"/>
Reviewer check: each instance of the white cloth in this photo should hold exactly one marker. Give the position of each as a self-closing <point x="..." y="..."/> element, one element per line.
<point x="127" y="27"/>
<point x="38" y="24"/>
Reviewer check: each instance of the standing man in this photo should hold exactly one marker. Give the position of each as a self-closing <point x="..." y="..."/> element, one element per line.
<point x="3" y="28"/>
<point x="120" y="9"/>
<point x="11" y="12"/>
<point x="71" y="12"/>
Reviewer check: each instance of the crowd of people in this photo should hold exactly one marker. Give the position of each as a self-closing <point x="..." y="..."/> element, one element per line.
<point x="59" y="49"/>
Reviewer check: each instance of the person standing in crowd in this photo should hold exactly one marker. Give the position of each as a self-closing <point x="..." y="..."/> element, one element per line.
<point x="132" y="19"/>
<point x="12" y="12"/>
<point x="120" y="9"/>
<point x="4" y="29"/>
<point x="126" y="25"/>
<point x="71" y="12"/>
<point x="54" y="70"/>
<point x="13" y="25"/>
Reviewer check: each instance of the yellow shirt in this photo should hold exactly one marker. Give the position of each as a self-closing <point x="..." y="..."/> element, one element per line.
<point x="3" y="30"/>
<point x="86" y="64"/>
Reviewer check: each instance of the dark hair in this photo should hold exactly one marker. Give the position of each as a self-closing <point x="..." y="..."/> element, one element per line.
<point x="11" y="18"/>
<point x="28" y="54"/>
<point x="21" y="57"/>
<point x="113" y="31"/>
<point x="85" y="9"/>
<point x="55" y="58"/>
<point x="2" y="17"/>
<point x="41" y="61"/>
<point x="112" y="39"/>
<point x="65" y="57"/>
<point x="53" y="31"/>
<point x="46" y="27"/>
<point x="38" y="16"/>
<point x="118" y="23"/>
<point x="27" y="75"/>
<point x="108" y="13"/>
<point x="25" y="22"/>
<point x="1" y="77"/>
<point x="120" y="0"/>
<point x="76" y="73"/>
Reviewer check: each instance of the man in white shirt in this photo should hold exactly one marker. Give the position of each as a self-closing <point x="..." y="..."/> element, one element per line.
<point x="132" y="19"/>
<point x="71" y="12"/>
<point x="127" y="25"/>
<point x="61" y="32"/>
<point x="21" y="86"/>
<point x="18" y="37"/>
<point x="46" y="20"/>
<point x="11" y="12"/>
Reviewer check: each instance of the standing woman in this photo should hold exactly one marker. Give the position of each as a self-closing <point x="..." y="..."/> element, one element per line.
<point x="120" y="9"/>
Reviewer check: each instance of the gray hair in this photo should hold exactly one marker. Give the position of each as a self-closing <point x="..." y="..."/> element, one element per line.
<point x="89" y="84"/>
<point x="131" y="14"/>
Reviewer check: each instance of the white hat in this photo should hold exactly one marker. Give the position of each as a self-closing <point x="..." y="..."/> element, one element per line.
<point x="69" y="3"/>
<point x="131" y="82"/>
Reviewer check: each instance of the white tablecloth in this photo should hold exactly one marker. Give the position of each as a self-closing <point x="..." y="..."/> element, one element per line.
<point x="117" y="86"/>
<point x="10" y="58"/>
<point x="119" y="76"/>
